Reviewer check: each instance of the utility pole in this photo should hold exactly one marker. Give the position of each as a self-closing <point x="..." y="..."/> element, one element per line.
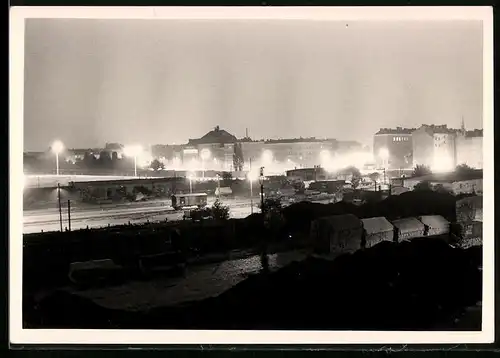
<point x="251" y="183"/>
<point x="263" y="254"/>
<point x="218" y="187"/>
<point x="60" y="209"/>
<point x="262" y="189"/>
<point x="69" y="215"/>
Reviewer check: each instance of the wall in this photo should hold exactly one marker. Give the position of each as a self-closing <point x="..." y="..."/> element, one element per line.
<point x="468" y="186"/>
<point x="221" y="156"/>
<point x="423" y="147"/>
<point x="470" y="151"/>
<point x="444" y="157"/>
<point x="289" y="155"/>
<point x="400" y="149"/>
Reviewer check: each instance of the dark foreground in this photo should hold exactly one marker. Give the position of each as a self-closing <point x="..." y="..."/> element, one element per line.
<point x="420" y="285"/>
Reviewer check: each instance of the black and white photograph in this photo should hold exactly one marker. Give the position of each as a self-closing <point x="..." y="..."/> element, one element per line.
<point x="251" y="171"/>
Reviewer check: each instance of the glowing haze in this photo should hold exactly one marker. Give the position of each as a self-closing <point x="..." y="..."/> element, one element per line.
<point x="88" y="82"/>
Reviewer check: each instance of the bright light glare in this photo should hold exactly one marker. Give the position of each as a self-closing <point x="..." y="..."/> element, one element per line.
<point x="442" y="163"/>
<point x="324" y="155"/>
<point x="326" y="160"/>
<point x="144" y="159"/>
<point x="267" y="157"/>
<point x="205" y="154"/>
<point x="132" y="150"/>
<point x="253" y="175"/>
<point x="176" y="162"/>
<point x="57" y="147"/>
<point x="383" y="153"/>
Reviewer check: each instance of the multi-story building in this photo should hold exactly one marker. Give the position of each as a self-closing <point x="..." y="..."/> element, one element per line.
<point x="470" y="148"/>
<point x="166" y="153"/>
<point x="289" y="153"/>
<point x="435" y="147"/>
<point x="215" y="150"/>
<point x="392" y="148"/>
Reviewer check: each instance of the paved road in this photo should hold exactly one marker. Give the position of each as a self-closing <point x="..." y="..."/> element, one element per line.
<point x="48" y="219"/>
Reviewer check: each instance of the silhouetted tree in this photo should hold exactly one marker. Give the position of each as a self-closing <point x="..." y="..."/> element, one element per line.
<point x="374" y="176"/>
<point x="219" y="211"/>
<point x="356" y="175"/>
<point x="421" y="170"/>
<point x="464" y="169"/>
<point x="156" y="165"/>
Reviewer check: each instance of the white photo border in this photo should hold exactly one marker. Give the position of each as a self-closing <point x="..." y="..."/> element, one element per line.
<point x="18" y="335"/>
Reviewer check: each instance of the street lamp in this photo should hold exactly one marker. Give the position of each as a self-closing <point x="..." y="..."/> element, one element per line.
<point x="191" y="177"/>
<point x="261" y="180"/>
<point x="252" y="176"/>
<point x="57" y="148"/>
<point x="205" y="155"/>
<point x="133" y="151"/>
<point x="384" y="155"/>
<point x="218" y="185"/>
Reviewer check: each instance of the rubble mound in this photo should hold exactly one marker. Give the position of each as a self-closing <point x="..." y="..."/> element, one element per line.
<point x="417" y="285"/>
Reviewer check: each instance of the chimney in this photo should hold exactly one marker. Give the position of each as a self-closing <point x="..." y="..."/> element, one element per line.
<point x="216" y="128"/>
<point x="246" y="133"/>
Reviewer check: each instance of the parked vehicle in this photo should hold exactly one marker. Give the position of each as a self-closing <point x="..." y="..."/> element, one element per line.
<point x="183" y="201"/>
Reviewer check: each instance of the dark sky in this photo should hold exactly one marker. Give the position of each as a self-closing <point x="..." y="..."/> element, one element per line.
<point x="88" y="82"/>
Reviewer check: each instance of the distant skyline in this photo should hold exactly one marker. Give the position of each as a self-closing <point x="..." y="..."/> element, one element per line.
<point x="88" y="82"/>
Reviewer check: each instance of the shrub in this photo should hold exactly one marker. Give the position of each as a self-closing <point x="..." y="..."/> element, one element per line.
<point x="220" y="211"/>
<point x="421" y="170"/>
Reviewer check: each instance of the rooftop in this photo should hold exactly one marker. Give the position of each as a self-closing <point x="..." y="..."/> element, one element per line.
<point x="290" y="140"/>
<point x="439" y="129"/>
<point x="474" y="133"/>
<point x="397" y="130"/>
<point x="217" y="135"/>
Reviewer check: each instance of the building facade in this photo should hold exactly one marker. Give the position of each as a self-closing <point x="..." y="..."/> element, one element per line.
<point x="215" y="150"/>
<point x="220" y="150"/>
<point x="470" y="148"/>
<point x="286" y="153"/>
<point x="392" y="148"/>
<point x="435" y="146"/>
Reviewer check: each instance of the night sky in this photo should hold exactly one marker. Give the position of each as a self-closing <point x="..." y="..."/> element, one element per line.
<point x="88" y="82"/>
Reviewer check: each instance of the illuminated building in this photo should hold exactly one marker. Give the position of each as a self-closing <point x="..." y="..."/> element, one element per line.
<point x="220" y="144"/>
<point x="470" y="148"/>
<point x="398" y="146"/>
<point x="435" y="146"/>
<point x="284" y="154"/>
